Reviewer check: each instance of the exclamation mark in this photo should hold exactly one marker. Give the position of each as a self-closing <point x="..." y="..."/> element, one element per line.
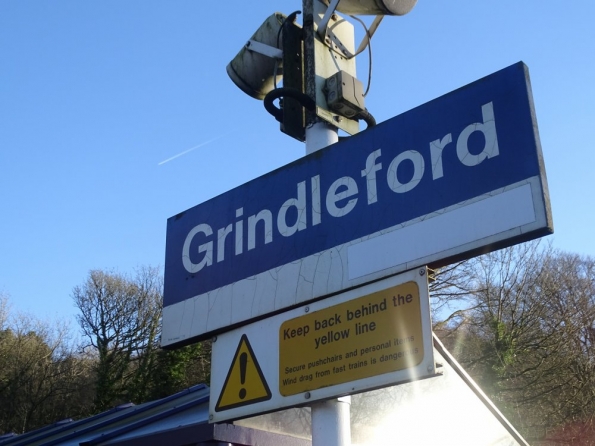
<point x="243" y="363"/>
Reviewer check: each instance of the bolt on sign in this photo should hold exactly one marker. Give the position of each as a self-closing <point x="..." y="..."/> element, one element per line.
<point x="366" y="338"/>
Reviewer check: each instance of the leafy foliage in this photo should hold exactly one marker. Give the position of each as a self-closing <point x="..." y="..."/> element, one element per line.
<point x="41" y="377"/>
<point x="44" y="377"/>
<point x="523" y="328"/>
<point x="520" y="320"/>
<point x="120" y="316"/>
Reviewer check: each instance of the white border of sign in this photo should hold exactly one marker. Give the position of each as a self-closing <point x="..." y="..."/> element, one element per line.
<point x="503" y="214"/>
<point x="509" y="211"/>
<point x="264" y="340"/>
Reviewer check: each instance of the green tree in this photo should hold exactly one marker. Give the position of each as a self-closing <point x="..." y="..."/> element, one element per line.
<point x="120" y="318"/>
<point x="523" y="328"/>
<point x="180" y="368"/>
<point x="40" y="373"/>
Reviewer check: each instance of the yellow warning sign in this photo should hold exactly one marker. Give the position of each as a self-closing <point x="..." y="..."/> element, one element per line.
<point x="245" y="383"/>
<point x="372" y="335"/>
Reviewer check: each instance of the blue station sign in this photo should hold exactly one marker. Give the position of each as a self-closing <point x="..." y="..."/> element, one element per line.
<point x="453" y="178"/>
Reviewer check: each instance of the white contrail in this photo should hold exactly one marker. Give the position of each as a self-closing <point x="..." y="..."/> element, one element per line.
<point x="187" y="151"/>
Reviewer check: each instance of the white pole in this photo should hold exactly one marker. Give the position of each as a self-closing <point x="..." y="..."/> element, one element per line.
<point x="320" y="135"/>
<point x="330" y="419"/>
<point x="330" y="422"/>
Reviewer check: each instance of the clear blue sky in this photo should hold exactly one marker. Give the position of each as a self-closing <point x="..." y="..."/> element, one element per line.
<point x="95" y="95"/>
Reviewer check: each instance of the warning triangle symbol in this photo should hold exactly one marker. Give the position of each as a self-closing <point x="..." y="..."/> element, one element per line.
<point x="245" y="383"/>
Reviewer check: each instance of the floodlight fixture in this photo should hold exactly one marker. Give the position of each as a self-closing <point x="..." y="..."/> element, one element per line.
<point x="315" y="62"/>
<point x="375" y="7"/>
<point x="258" y="66"/>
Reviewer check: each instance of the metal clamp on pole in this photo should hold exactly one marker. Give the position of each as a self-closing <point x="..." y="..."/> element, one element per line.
<point x="264" y="49"/>
<point x="323" y="25"/>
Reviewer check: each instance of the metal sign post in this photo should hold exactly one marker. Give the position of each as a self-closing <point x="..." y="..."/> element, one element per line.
<point x="330" y="422"/>
<point x="330" y="419"/>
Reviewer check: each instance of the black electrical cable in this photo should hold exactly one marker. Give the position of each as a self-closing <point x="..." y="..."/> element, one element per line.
<point x="306" y="101"/>
<point x="367" y="117"/>
<point x="291" y="17"/>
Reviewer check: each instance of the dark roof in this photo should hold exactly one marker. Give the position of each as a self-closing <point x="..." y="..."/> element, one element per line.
<point x="182" y="419"/>
<point x="177" y="420"/>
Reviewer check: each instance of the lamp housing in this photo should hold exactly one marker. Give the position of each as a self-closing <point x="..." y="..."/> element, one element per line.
<point x="252" y="71"/>
<point x="376" y="7"/>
